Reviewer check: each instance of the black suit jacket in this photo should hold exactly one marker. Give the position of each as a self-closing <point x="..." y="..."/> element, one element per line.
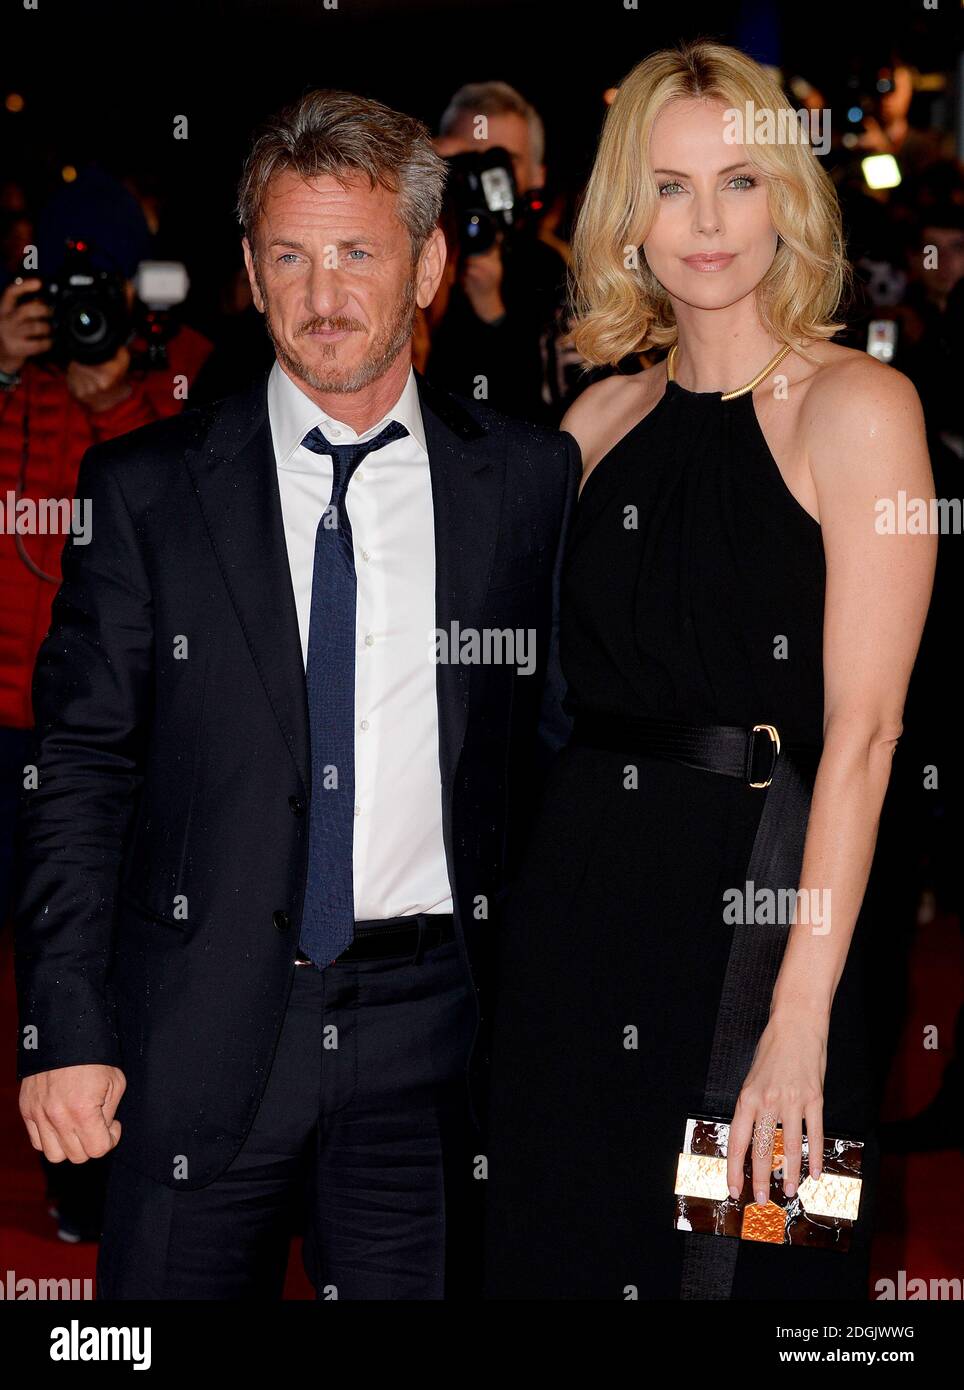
<point x="163" y="853"/>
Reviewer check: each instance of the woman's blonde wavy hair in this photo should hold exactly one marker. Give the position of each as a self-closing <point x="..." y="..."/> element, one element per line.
<point x="620" y="309"/>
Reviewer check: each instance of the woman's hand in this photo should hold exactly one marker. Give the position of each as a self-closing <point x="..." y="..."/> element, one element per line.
<point x="783" y="1087"/>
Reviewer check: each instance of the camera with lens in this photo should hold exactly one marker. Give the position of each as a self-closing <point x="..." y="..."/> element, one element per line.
<point x="482" y="198"/>
<point x="90" y="320"/>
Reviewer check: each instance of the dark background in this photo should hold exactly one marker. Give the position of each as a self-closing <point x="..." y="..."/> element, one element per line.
<point x="104" y="80"/>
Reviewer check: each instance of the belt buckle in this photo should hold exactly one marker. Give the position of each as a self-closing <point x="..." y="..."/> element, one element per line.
<point x="774" y="735"/>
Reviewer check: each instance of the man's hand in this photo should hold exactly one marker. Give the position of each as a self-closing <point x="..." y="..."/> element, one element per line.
<point x="24" y="328"/>
<point x="69" y="1112"/>
<point x="98" y="388"/>
<point x="482" y="283"/>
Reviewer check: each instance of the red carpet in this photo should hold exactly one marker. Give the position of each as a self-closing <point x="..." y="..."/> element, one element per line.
<point x="919" y="1216"/>
<point x="916" y="1193"/>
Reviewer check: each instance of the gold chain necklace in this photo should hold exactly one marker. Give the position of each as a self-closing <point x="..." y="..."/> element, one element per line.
<point x="741" y="390"/>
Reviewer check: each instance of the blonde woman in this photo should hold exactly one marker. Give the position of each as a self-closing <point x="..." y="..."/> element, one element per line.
<point x="737" y="636"/>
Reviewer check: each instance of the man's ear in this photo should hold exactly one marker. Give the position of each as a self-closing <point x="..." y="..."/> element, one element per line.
<point x="256" y="294"/>
<point x="431" y="264"/>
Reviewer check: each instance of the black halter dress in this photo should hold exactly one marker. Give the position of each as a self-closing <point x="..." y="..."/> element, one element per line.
<point x="693" y="589"/>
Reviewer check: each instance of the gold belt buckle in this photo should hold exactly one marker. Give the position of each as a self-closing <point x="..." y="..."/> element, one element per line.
<point x="774" y="735"/>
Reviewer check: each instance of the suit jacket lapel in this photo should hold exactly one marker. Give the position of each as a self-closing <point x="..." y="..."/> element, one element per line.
<point x="236" y="481"/>
<point x="235" y="478"/>
<point x="467" y="467"/>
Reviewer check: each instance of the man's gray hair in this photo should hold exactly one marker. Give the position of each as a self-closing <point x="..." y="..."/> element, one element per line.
<point x="344" y="135"/>
<point x="495" y="99"/>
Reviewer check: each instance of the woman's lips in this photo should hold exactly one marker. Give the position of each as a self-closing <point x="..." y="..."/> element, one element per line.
<point x="711" y="260"/>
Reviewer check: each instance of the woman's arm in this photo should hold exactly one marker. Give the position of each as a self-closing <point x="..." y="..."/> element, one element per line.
<point x="864" y="432"/>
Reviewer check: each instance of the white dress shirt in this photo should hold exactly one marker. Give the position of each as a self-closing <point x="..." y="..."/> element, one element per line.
<point x="398" y="853"/>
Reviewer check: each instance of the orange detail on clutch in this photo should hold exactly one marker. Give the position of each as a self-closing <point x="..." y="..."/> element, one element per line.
<point x="764" y="1223"/>
<point x="777" y="1150"/>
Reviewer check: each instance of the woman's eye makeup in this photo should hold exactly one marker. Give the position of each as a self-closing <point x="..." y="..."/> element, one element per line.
<point x="740" y="181"/>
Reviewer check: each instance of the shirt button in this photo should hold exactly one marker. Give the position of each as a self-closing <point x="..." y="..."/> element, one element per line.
<point x="364" y="723"/>
<point x="297" y="805"/>
<point x="334" y="431"/>
<point x="281" y="920"/>
<point x="359" y="473"/>
<point x="365" y="555"/>
<point x="369" y="640"/>
<point x="357" y="810"/>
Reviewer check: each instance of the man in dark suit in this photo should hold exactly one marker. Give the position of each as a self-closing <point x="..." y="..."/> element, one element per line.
<point x="288" y="746"/>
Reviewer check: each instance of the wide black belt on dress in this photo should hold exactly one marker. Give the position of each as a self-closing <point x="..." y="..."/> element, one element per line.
<point x="760" y="758"/>
<point x="394" y="936"/>
<point x="730" y="749"/>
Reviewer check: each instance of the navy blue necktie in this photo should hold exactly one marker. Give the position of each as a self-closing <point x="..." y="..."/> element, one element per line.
<point x="328" y="920"/>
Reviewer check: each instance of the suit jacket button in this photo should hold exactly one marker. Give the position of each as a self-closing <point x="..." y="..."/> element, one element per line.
<point x="281" y="920"/>
<point x="297" y="805"/>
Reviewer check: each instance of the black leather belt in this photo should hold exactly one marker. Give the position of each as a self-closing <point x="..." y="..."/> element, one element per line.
<point x="394" y="936"/>
<point x="749" y="754"/>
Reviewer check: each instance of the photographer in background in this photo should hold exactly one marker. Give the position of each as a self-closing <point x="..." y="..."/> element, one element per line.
<point x="931" y="319"/>
<point x="504" y="307"/>
<point x="52" y="408"/>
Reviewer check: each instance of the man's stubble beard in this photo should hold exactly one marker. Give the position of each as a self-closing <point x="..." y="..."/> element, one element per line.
<point x="381" y="354"/>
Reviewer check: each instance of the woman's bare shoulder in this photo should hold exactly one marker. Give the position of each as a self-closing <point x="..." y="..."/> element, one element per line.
<point x="608" y="409"/>
<point x="850" y="392"/>
<point x="847" y="376"/>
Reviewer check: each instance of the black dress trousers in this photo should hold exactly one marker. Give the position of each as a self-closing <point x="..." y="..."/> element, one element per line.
<point x="362" y="1140"/>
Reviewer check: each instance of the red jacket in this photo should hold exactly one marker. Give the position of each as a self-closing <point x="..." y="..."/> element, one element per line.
<point x="59" y="432"/>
